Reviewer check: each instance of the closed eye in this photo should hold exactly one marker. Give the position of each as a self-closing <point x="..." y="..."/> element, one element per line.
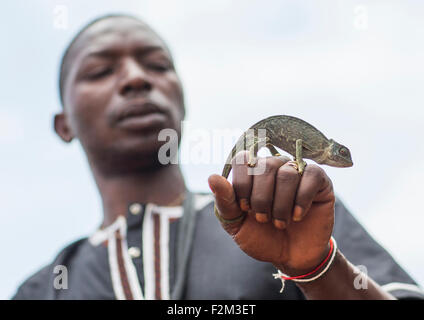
<point x="100" y="73"/>
<point x="158" y="67"/>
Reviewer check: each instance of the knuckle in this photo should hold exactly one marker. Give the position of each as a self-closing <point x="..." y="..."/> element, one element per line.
<point x="330" y="185"/>
<point x="283" y="159"/>
<point x="270" y="166"/>
<point x="287" y="174"/>
<point x="315" y="172"/>
<point x="240" y="158"/>
<point x="274" y="163"/>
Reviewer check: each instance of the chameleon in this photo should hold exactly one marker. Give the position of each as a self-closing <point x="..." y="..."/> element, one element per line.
<point x="293" y="135"/>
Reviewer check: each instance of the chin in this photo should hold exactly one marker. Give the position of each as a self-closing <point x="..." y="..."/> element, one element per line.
<point x="147" y="147"/>
<point x="339" y="164"/>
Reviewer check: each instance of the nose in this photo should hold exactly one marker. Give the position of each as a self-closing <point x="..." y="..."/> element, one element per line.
<point x="135" y="81"/>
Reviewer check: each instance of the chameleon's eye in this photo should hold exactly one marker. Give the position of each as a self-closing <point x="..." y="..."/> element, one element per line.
<point x="343" y="151"/>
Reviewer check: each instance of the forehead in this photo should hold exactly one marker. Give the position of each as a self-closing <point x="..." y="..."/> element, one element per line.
<point x="117" y="34"/>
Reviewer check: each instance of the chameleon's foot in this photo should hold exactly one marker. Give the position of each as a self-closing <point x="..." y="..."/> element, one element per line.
<point x="293" y="164"/>
<point x="301" y="166"/>
<point x="297" y="165"/>
<point x="273" y="151"/>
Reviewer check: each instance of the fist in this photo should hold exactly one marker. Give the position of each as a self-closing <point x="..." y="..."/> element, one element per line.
<point x="287" y="218"/>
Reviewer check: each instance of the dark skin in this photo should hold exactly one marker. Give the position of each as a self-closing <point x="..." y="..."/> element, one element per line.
<point x="294" y="225"/>
<point x="120" y="63"/>
<point x="117" y="63"/>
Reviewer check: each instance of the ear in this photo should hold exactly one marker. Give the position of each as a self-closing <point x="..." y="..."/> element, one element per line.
<point x="62" y="127"/>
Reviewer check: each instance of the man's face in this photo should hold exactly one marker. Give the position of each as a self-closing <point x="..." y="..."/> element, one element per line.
<point x="121" y="89"/>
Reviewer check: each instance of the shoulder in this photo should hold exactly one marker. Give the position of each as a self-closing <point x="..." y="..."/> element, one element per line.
<point x="40" y="284"/>
<point x="363" y="251"/>
<point x="202" y="201"/>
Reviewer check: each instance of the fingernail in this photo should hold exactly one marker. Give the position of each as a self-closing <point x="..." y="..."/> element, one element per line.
<point x="244" y="205"/>
<point x="280" y="224"/>
<point x="262" y="217"/>
<point x="297" y="213"/>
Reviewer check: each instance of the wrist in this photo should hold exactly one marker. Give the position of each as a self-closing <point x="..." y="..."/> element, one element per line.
<point x="313" y="275"/>
<point x="307" y="265"/>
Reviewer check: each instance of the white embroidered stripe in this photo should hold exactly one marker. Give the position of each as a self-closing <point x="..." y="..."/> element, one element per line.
<point x="102" y="235"/>
<point x="166" y="213"/>
<point x="148" y="254"/>
<point x="164" y="257"/>
<point x="114" y="268"/>
<point x="131" y="272"/>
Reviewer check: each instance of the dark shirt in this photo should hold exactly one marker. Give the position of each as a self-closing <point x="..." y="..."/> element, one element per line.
<point x="136" y="258"/>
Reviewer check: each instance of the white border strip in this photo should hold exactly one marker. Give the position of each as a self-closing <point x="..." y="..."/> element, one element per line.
<point x="148" y="250"/>
<point x="393" y="286"/>
<point x="130" y="267"/>
<point x="114" y="269"/>
<point x="104" y="234"/>
<point x="201" y="200"/>
<point x="148" y="254"/>
<point x="169" y="212"/>
<point x="164" y="256"/>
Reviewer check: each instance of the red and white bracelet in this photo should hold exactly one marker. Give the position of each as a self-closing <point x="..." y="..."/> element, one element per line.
<point x="304" y="278"/>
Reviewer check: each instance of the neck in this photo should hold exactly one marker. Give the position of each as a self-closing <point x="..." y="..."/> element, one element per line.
<point x="163" y="186"/>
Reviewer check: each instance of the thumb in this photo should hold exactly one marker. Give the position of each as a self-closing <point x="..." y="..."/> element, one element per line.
<point x="225" y="198"/>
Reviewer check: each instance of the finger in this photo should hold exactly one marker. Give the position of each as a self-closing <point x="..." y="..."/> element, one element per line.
<point x="286" y="183"/>
<point x="284" y="159"/>
<point x="225" y="199"/>
<point x="263" y="188"/>
<point x="242" y="180"/>
<point x="314" y="181"/>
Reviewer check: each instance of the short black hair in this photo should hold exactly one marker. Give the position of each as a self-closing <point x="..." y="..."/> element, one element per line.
<point x="63" y="71"/>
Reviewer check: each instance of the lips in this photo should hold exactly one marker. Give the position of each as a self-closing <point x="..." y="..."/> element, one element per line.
<point x="141" y="116"/>
<point x="138" y="109"/>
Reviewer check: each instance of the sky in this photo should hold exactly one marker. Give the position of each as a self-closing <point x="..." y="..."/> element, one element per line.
<point x="351" y="68"/>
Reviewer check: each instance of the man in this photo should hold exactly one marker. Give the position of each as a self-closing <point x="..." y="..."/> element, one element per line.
<point x="119" y="89"/>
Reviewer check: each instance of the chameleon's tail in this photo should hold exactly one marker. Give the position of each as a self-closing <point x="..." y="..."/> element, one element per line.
<point x="226" y="170"/>
<point x="242" y="144"/>
<point x="227" y="167"/>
